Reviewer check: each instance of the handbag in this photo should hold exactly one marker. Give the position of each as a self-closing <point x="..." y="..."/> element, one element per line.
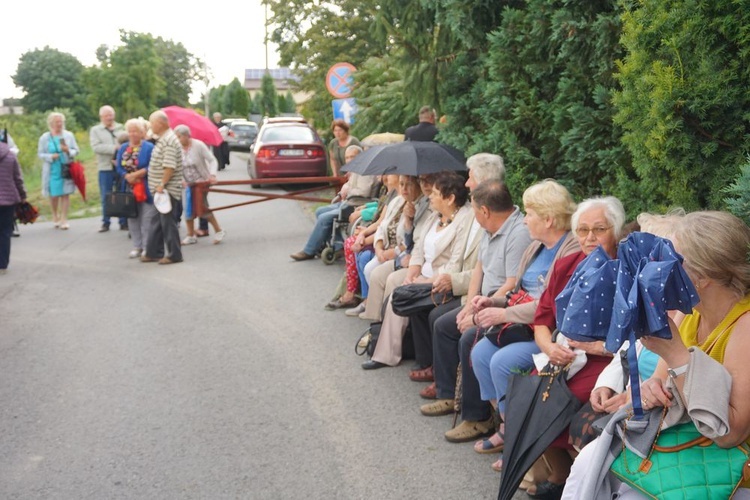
<point x="139" y="192"/>
<point x="368" y="340"/>
<point x="26" y="213"/>
<point x="120" y="204"/>
<point x="408" y="300"/>
<point x="519" y="297"/>
<point x="508" y="333"/>
<point x="684" y="464"/>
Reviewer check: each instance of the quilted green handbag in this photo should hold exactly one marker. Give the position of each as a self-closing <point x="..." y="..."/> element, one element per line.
<point x="683" y="464"/>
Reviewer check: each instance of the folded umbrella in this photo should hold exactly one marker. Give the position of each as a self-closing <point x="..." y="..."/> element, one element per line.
<point x="78" y="177"/>
<point x="201" y="128"/>
<point x="407" y="158"/>
<point x="538" y="409"/>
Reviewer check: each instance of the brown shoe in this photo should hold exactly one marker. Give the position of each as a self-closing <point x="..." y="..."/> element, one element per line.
<point x="438" y="408"/>
<point x="167" y="260"/>
<point x="429" y="392"/>
<point x="146" y="258"/>
<point x="301" y="256"/>
<point x="424" y="375"/>
<point x="469" y="431"/>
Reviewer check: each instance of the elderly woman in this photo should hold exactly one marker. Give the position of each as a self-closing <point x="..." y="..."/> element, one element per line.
<point x="132" y="162"/>
<point x="438" y="249"/>
<point x="338" y="145"/>
<point x="198" y="167"/>
<point x="715" y="250"/>
<point x="57" y="148"/>
<point x="596" y="222"/>
<point x="549" y="208"/>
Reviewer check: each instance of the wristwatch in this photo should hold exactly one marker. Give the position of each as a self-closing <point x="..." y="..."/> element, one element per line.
<point x="676" y="372"/>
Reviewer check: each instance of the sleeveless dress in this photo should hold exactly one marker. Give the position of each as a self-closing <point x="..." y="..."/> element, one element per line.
<point x="57" y="185"/>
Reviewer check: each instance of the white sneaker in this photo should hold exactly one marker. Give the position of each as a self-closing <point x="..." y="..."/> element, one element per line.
<point x="190" y="240"/>
<point x="134" y="253"/>
<point x="355" y="311"/>
<point x="219" y="236"/>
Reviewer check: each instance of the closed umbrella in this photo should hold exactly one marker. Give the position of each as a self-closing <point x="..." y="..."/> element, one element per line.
<point x="407" y="158"/>
<point x="201" y="128"/>
<point x="78" y="177"/>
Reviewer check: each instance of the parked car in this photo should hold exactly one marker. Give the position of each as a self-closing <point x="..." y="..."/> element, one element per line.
<point x="287" y="149"/>
<point x="242" y="133"/>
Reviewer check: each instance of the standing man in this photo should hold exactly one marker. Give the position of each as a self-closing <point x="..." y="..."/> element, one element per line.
<point x="425" y="130"/>
<point x="164" y="176"/>
<point x="221" y="152"/>
<point x="103" y="138"/>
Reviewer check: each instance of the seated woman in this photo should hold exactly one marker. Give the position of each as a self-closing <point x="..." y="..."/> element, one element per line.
<point x="362" y="242"/>
<point x="549" y="207"/>
<point x="596" y="222"/>
<point x="437" y="250"/>
<point x="715" y="250"/>
<point x="382" y="277"/>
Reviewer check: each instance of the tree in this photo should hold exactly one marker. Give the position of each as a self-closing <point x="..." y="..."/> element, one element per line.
<point x="286" y="103"/>
<point x="684" y="100"/>
<point x="236" y="100"/>
<point x="51" y="79"/>
<point x="178" y="70"/>
<point x="268" y="97"/>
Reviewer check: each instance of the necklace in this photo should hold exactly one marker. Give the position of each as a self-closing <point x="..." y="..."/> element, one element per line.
<point x="450" y="219"/>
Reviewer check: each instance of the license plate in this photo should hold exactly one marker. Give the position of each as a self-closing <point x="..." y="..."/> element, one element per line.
<point x="291" y="152"/>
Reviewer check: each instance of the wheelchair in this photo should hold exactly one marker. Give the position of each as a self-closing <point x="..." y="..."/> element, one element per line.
<point x="342" y="229"/>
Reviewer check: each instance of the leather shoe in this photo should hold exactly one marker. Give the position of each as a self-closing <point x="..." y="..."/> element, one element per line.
<point x="301" y="256"/>
<point x="547" y="491"/>
<point x="104" y="228"/>
<point x="438" y="408"/>
<point x="145" y="258"/>
<point x="429" y="392"/>
<point x="372" y="365"/>
<point x="424" y="375"/>
<point x="469" y="431"/>
<point x="167" y="260"/>
<point x="338" y="304"/>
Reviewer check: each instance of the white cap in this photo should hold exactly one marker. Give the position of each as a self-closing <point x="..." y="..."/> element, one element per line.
<point x="162" y="202"/>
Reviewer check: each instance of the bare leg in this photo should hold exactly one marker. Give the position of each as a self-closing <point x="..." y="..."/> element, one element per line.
<point x="190" y="223"/>
<point x="64" y="207"/>
<point x="214" y="223"/>
<point x="54" y="201"/>
<point x="559" y="462"/>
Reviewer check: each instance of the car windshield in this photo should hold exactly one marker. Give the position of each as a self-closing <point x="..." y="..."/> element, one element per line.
<point x="288" y="134"/>
<point x="245" y="129"/>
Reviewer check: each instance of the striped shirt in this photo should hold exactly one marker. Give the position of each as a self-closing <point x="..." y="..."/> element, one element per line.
<point x="167" y="154"/>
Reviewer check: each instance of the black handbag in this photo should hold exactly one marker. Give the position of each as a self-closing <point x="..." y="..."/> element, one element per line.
<point x="408" y="300"/>
<point x="120" y="204"/>
<point x="368" y="340"/>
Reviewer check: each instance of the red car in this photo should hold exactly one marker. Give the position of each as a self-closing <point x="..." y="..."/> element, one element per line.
<point x="287" y="149"/>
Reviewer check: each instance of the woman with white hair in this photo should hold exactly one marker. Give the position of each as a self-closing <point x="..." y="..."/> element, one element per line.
<point x="132" y="162"/>
<point x="199" y="167"/>
<point x="56" y="148"/>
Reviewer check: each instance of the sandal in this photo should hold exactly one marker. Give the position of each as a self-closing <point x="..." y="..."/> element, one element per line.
<point x="338" y="304"/>
<point x="547" y="489"/>
<point x="486" y="446"/>
<point x="423" y="375"/>
<point x="497" y="466"/>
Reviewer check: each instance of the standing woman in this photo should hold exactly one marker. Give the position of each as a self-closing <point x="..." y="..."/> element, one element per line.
<point x="337" y="146"/>
<point x="132" y="162"/>
<point x="198" y="166"/>
<point x="12" y="192"/>
<point x="56" y="148"/>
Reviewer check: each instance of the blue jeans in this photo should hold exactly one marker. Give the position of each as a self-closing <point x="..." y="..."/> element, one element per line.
<point x="324" y="217"/>
<point x="363" y="257"/>
<point x="493" y="366"/>
<point x="106" y="182"/>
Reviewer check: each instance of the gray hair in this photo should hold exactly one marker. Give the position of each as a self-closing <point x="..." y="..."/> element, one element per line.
<point x="613" y="211"/>
<point x="54" y="115"/>
<point x="183" y="130"/>
<point x="354" y="147"/>
<point x="136" y="122"/>
<point x="106" y="107"/>
<point x="486" y="166"/>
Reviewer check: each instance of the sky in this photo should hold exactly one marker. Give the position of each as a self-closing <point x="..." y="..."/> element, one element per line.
<point x="228" y="36"/>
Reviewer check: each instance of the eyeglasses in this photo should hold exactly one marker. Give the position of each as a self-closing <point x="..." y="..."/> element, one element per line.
<point x="583" y="232"/>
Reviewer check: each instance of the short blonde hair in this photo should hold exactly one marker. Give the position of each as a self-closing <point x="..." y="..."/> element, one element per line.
<point x="715" y="245"/>
<point x="54" y="115"/>
<point x="551" y="199"/>
<point x="137" y="123"/>
<point x="662" y="225"/>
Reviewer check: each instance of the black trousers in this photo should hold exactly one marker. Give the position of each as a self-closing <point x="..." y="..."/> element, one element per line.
<point x="7" y="216"/>
<point x="450" y="347"/>
<point x="422" y="326"/>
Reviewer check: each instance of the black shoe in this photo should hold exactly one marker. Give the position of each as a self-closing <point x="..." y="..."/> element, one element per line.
<point x="548" y="491"/>
<point x="16" y="234"/>
<point x="124" y="228"/>
<point x="372" y="365"/>
<point x="104" y="228"/>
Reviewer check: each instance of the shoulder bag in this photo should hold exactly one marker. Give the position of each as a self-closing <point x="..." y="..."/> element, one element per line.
<point x="120" y="204"/>
<point x="684" y="464"/>
<point x="408" y="300"/>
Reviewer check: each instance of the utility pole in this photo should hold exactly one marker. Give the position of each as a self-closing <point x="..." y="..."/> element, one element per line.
<point x="265" y="39"/>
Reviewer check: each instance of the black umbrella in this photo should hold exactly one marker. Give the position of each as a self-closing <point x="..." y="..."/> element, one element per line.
<point x="537" y="409"/>
<point x="407" y="158"/>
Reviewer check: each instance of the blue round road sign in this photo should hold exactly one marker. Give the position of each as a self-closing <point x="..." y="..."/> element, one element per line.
<point x="339" y="80"/>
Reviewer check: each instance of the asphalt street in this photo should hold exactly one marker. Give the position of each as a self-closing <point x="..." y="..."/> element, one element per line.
<point x="220" y="377"/>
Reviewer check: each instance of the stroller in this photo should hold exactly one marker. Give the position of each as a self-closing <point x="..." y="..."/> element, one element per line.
<point x="342" y="229"/>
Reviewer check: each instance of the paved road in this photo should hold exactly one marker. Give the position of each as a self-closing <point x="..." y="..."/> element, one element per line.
<point x="221" y="377"/>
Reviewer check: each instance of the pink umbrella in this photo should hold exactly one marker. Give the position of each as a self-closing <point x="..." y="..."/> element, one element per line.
<point x="201" y="128"/>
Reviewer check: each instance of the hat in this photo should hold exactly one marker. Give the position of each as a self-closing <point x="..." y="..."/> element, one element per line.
<point x="162" y="202"/>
